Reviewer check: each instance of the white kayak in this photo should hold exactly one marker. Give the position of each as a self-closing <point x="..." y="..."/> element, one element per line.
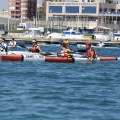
<point x="19" y="52"/>
<point x="54" y="59"/>
<point x="83" y="46"/>
<point x="51" y="54"/>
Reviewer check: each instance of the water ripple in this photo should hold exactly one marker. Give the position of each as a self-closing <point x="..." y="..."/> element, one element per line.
<point x="60" y="91"/>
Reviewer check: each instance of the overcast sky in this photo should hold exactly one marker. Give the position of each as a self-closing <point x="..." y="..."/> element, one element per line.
<point x="4" y="4"/>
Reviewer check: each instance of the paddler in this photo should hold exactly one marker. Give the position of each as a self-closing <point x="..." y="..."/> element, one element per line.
<point x="67" y="43"/>
<point x="3" y="45"/>
<point x="35" y="47"/>
<point x="64" y="51"/>
<point x="12" y="43"/>
<point x="101" y="44"/>
<point x="91" y="52"/>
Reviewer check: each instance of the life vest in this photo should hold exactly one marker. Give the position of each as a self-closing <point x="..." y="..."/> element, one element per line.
<point x="12" y="43"/>
<point x="35" y="49"/>
<point x="91" y="52"/>
<point x="95" y="55"/>
<point x="67" y="55"/>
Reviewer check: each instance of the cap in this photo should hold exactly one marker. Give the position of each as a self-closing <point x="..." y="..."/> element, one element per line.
<point x="88" y="43"/>
<point x="34" y="41"/>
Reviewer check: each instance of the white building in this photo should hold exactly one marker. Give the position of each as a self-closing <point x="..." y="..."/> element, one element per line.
<point x="92" y="14"/>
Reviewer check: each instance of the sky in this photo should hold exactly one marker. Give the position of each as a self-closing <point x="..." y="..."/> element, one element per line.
<point x="4" y="4"/>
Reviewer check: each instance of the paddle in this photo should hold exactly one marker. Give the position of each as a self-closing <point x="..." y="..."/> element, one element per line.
<point x="43" y="53"/>
<point x="80" y="51"/>
<point x="23" y="46"/>
<point x="48" y="53"/>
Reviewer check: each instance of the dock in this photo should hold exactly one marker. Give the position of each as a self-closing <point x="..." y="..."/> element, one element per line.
<point x="57" y="41"/>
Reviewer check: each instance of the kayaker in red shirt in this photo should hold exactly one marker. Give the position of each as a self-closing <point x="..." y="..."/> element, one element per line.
<point x="91" y="52"/>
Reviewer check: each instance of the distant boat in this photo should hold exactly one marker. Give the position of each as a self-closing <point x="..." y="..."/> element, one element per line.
<point x="100" y="35"/>
<point x="67" y="34"/>
<point x="55" y="36"/>
<point x="33" y="32"/>
<point x="116" y="36"/>
<point x="2" y="32"/>
<point x="72" y="34"/>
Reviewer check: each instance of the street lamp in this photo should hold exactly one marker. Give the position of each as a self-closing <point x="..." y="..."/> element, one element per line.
<point x="36" y="12"/>
<point x="21" y="12"/>
<point x="83" y="9"/>
<point x="109" y="19"/>
<point x="116" y="20"/>
<point x="51" y="20"/>
<point x="77" y="20"/>
<point x="8" y="23"/>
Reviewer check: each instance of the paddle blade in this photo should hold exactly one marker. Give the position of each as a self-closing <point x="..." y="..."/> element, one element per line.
<point x="23" y="46"/>
<point x="81" y="50"/>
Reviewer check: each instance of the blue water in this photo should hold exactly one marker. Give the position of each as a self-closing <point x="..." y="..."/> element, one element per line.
<point x="60" y="91"/>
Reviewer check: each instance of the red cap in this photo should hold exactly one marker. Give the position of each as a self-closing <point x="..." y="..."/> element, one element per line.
<point x="88" y="43"/>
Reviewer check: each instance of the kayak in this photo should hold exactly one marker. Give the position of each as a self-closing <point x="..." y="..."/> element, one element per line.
<point x="83" y="46"/>
<point x="54" y="59"/>
<point x="18" y="52"/>
<point x="51" y="54"/>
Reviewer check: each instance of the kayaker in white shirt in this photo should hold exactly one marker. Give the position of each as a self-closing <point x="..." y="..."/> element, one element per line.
<point x="101" y="44"/>
<point x="12" y="43"/>
<point x="3" y="45"/>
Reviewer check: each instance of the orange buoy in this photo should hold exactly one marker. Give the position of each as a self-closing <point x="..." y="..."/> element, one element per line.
<point x="59" y="59"/>
<point x="11" y="57"/>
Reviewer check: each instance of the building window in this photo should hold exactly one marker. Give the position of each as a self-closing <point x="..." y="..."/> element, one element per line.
<point x="55" y="9"/>
<point x="87" y="9"/>
<point x="72" y="9"/>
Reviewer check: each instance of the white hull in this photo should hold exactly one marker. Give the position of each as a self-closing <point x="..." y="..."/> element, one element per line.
<point x="67" y="60"/>
<point x="82" y="46"/>
<point x="32" y="54"/>
<point x="54" y="59"/>
<point x="64" y="36"/>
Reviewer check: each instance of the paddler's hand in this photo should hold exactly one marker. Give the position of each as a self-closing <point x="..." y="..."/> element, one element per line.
<point x="90" y="59"/>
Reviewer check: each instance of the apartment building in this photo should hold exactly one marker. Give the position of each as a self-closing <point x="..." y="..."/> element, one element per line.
<point x="25" y="9"/>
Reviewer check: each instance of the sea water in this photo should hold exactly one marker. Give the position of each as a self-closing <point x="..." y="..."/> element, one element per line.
<point x="60" y="91"/>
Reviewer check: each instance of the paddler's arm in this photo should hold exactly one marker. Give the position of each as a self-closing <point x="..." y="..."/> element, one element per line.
<point x="39" y="49"/>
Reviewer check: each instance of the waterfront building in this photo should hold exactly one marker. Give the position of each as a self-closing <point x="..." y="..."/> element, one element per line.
<point x="24" y="9"/>
<point x="40" y="12"/>
<point x="44" y="2"/>
<point x="89" y="14"/>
